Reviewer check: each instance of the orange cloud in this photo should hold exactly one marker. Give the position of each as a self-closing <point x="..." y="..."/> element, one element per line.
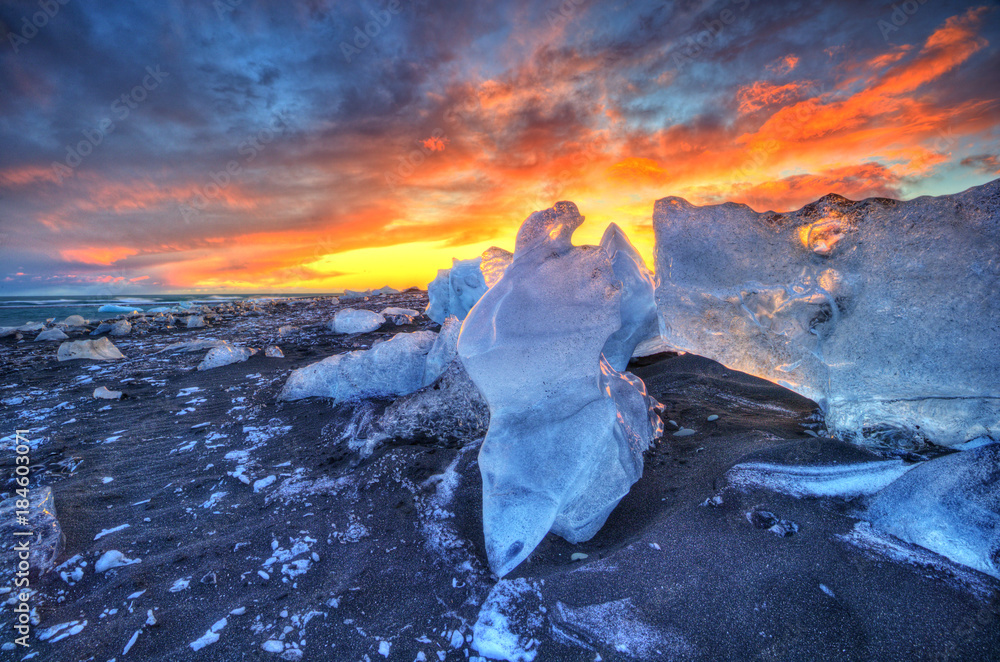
<point x="97" y="255"/>
<point x="783" y="65"/>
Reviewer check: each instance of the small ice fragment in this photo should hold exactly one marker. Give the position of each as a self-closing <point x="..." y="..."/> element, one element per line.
<point x="239" y="611"/>
<point x="383" y="648"/>
<point x="104" y="393"/>
<point x="263" y="575"/>
<point x="180" y="584"/>
<point x="204" y="640"/>
<point x="713" y="417"/>
<point x="135" y="595"/>
<point x="264" y="482"/>
<point x="107" y="479"/>
<point x="150" y="618"/>
<point x="684" y="432"/>
<point x="273" y="646"/>
<point x="131" y="641"/>
<point x="109" y="531"/>
<point x="826" y="589"/>
<point x="655" y="546"/>
<point x="113" y="559"/>
<point x="578" y="556"/>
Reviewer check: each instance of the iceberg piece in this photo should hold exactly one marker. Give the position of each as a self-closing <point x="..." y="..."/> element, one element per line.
<point x="120" y="328"/>
<point x="450" y="412"/>
<point x="14" y="330"/>
<point x="350" y="320"/>
<point x="47" y="541"/>
<point x="111" y="308"/>
<point x="224" y="355"/>
<point x="567" y="431"/>
<point x="393" y="367"/>
<point x="74" y="320"/>
<point x="455" y="291"/>
<point x="103" y="327"/>
<point x="351" y="294"/>
<point x="443" y="352"/>
<point x="494" y="261"/>
<point x="400" y="316"/>
<point x="98" y="350"/>
<point x="274" y="352"/>
<point x="384" y="290"/>
<point x="105" y="393"/>
<point x="949" y="505"/>
<point x="878" y="310"/>
<point x="638" y="306"/>
<point x="194" y="322"/>
<point x="51" y="334"/>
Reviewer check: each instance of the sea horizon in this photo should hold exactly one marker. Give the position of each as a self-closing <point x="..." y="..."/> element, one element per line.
<point x="22" y="309"/>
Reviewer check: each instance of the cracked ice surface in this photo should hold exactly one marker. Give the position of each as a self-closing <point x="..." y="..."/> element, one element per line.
<point x="567" y="431"/>
<point x="882" y="311"/>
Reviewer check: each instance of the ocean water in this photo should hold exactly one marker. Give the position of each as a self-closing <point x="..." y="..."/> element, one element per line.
<point x="15" y="311"/>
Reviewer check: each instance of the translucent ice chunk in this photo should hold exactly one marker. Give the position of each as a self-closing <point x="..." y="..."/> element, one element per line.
<point x="950" y="505"/>
<point x="495" y="261"/>
<point x="567" y="431"/>
<point x="454" y="291"/>
<point x="98" y="350"/>
<point x="224" y="355"/>
<point x="881" y="310"/>
<point x="638" y="307"/>
<point x="397" y="366"/>
<point x="350" y="320"/>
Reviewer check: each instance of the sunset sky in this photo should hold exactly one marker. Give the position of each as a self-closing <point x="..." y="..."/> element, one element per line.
<point x="369" y="142"/>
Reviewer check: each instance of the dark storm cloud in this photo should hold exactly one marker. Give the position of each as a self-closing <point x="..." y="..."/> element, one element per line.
<point x="313" y="118"/>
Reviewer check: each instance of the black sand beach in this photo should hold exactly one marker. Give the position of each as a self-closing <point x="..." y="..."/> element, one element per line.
<point x="345" y="556"/>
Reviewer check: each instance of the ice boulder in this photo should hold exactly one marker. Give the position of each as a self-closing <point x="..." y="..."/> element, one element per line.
<point x="47" y="539"/>
<point x="224" y="354"/>
<point x="74" y="320"/>
<point x="882" y="311"/>
<point x="111" y="308"/>
<point x="6" y="331"/>
<point x="51" y="334"/>
<point x="638" y="306"/>
<point x="394" y="367"/>
<point x="400" y="316"/>
<point x="494" y="261"/>
<point x="567" y="431"/>
<point x="350" y="320"/>
<point x="352" y="294"/>
<point x="98" y="350"/>
<point x="949" y="505"/>
<point x="120" y="328"/>
<point x="455" y="291"/>
<point x="449" y="412"/>
<point x="194" y="322"/>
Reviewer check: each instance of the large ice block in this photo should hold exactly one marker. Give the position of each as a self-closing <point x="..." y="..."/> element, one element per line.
<point x="398" y="366"/>
<point x="950" y="505"/>
<point x="882" y="311"/>
<point x="567" y="431"/>
<point x="638" y="307"/>
<point x="454" y="291"/>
